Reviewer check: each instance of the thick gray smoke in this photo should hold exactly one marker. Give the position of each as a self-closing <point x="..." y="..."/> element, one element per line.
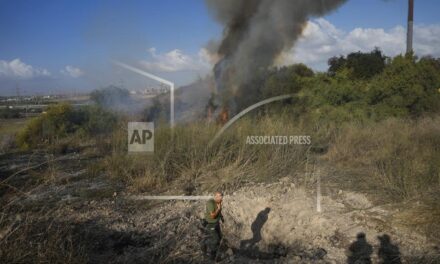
<point x="256" y="32"/>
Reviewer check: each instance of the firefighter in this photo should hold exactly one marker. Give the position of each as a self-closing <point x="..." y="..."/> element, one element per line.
<point x="213" y="215"/>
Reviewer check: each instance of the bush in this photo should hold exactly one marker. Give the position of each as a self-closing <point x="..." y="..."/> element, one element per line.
<point x="61" y="120"/>
<point x="97" y="121"/>
<point x="406" y="87"/>
<point x="51" y="125"/>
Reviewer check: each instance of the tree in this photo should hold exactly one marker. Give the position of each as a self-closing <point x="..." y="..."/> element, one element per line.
<point x="406" y="87"/>
<point x="336" y="64"/>
<point x="362" y="65"/>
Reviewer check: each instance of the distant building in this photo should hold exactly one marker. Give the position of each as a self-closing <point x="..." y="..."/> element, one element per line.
<point x="150" y="91"/>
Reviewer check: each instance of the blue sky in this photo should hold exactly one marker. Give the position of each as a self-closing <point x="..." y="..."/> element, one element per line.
<point x="68" y="45"/>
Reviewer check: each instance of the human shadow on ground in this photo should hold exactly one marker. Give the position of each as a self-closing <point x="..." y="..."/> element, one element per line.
<point x="360" y="250"/>
<point x="256" y="227"/>
<point x="249" y="247"/>
<point x="388" y="253"/>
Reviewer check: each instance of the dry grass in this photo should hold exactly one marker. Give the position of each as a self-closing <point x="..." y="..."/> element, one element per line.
<point x="399" y="157"/>
<point x="397" y="161"/>
<point x="30" y="239"/>
<point x="423" y="216"/>
<point x="187" y="160"/>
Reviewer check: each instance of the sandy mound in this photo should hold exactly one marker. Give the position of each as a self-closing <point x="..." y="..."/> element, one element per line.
<point x="281" y="220"/>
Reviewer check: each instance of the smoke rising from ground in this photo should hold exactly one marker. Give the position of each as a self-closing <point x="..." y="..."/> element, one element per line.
<point x="255" y="33"/>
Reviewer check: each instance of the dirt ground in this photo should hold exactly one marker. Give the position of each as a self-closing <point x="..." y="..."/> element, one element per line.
<point x="264" y="223"/>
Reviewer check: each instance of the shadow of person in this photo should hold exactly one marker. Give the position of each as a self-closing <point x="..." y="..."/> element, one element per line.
<point x="360" y="251"/>
<point x="256" y="227"/>
<point x="388" y="253"/>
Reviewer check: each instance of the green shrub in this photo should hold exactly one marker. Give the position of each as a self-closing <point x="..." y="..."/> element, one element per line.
<point x="97" y="121"/>
<point x="51" y="125"/>
<point x="61" y="120"/>
<point x="406" y="87"/>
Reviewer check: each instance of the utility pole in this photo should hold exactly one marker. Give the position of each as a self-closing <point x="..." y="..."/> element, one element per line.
<point x="409" y="35"/>
<point x="17" y="90"/>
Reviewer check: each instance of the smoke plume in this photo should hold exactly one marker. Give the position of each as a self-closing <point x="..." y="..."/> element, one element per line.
<point x="255" y="33"/>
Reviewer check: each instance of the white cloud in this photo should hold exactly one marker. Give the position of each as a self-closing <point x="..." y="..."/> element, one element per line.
<point x="322" y="40"/>
<point x="72" y="71"/>
<point x="175" y="60"/>
<point x="18" y="69"/>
